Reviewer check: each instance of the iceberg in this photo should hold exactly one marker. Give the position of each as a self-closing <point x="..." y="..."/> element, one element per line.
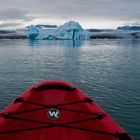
<point x="129" y="27"/>
<point x="33" y="32"/>
<point x="69" y="31"/>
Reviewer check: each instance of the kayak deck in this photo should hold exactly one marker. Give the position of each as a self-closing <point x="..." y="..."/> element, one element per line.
<point x="57" y="110"/>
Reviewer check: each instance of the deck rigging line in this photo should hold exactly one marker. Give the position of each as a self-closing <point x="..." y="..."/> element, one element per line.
<point x="12" y="115"/>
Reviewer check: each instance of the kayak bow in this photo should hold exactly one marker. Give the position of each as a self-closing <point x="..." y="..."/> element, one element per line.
<point x="57" y="110"/>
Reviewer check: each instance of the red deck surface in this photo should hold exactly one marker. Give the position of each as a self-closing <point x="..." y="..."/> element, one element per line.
<point x="54" y="110"/>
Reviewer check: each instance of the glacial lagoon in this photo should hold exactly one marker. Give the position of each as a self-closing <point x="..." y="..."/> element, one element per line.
<point x="107" y="70"/>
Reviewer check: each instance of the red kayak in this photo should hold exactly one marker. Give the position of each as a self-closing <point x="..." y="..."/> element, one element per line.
<point x="57" y="110"/>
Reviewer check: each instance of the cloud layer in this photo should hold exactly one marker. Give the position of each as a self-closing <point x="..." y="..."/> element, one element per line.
<point x="90" y="13"/>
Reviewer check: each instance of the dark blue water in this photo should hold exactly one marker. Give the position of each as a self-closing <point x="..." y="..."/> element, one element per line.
<point x="107" y="70"/>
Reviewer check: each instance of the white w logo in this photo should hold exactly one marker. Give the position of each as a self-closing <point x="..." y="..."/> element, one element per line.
<point x="53" y="113"/>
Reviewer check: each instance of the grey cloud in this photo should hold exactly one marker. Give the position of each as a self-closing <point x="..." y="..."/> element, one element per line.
<point x="104" y="10"/>
<point x="3" y="25"/>
<point x="13" y="14"/>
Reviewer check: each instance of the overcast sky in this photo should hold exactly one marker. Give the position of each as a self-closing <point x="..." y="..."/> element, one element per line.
<point x="89" y="13"/>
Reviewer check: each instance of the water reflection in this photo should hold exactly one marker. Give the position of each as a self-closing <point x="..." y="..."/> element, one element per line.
<point x="51" y="43"/>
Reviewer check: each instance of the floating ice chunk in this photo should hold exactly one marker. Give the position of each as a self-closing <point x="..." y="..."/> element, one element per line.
<point x="33" y="32"/>
<point x="70" y="30"/>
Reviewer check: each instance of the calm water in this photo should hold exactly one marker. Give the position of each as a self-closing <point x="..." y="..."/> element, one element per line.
<point x="107" y="70"/>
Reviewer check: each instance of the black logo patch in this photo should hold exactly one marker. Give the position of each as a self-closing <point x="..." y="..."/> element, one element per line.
<point x="53" y="113"/>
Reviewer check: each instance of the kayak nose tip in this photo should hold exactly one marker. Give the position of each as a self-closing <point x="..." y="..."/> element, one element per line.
<point x="123" y="136"/>
<point x="17" y="100"/>
<point x="6" y="115"/>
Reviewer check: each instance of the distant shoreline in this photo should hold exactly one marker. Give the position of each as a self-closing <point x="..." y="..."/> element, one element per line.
<point x="115" y="34"/>
<point x="14" y="37"/>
